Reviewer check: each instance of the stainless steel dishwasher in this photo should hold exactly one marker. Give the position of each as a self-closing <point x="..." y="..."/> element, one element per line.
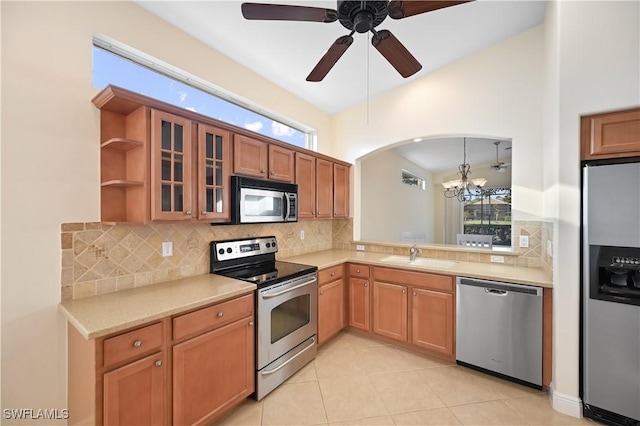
<point x="499" y="329"/>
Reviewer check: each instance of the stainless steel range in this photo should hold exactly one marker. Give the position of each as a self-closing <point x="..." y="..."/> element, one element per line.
<point x="286" y="306"/>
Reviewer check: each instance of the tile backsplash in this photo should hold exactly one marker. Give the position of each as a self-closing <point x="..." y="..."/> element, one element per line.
<point x="100" y="258"/>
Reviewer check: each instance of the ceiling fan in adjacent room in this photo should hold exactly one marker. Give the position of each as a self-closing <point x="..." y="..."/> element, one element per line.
<point x="499" y="166"/>
<point x="356" y="16"/>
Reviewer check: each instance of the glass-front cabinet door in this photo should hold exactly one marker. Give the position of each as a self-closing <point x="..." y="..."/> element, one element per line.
<point x="170" y="167"/>
<point x="213" y="173"/>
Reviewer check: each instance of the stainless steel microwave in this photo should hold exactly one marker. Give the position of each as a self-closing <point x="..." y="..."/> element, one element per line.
<point x="263" y="201"/>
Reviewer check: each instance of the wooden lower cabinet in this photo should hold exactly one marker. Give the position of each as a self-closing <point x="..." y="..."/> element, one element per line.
<point x="359" y="296"/>
<point x="331" y="306"/>
<point x="136" y="393"/>
<point x="213" y="372"/>
<point x="432" y="320"/>
<point x="187" y="369"/>
<point x="390" y="310"/>
<point x="330" y="310"/>
<point x="416" y="308"/>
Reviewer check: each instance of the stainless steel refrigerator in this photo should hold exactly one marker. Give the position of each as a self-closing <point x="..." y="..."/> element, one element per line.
<point x="610" y="338"/>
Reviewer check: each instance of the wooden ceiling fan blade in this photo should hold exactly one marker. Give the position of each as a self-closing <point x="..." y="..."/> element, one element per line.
<point x="330" y="58"/>
<point x="281" y="12"/>
<point x="395" y="52"/>
<point x="399" y="9"/>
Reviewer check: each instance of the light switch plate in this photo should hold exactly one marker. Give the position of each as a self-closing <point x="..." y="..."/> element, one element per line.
<point x="302" y="235"/>
<point x="549" y="248"/>
<point x="497" y="259"/>
<point x="360" y="247"/>
<point x="524" y="241"/>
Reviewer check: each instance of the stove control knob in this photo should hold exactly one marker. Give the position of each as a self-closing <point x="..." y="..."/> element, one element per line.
<point x="268" y="245"/>
<point x="229" y="250"/>
<point x="221" y="251"/>
<point x="273" y="244"/>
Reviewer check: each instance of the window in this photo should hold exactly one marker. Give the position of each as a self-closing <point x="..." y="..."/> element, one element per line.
<point x="489" y="213"/>
<point x="130" y="71"/>
<point x="413" y="180"/>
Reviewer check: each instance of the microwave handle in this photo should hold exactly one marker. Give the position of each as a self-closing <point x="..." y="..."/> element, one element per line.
<point x="285" y="210"/>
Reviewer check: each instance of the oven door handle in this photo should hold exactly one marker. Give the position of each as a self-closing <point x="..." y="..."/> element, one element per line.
<point x="279" y="293"/>
<point x="281" y="366"/>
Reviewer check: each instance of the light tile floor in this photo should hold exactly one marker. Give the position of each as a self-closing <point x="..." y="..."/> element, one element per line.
<point x="356" y="380"/>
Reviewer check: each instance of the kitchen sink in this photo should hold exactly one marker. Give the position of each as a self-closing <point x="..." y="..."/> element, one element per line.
<point x="421" y="261"/>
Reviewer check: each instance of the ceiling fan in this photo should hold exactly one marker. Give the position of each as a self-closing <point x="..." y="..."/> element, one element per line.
<point x="499" y="166"/>
<point x="356" y="16"/>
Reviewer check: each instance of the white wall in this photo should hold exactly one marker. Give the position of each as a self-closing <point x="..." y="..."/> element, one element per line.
<point x="593" y="65"/>
<point x="50" y="162"/>
<point x="389" y="206"/>
<point x="494" y="94"/>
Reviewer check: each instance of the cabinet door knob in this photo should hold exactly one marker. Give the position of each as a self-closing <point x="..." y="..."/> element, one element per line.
<point x="273" y="173"/>
<point x="415" y="294"/>
<point x="159" y="363"/>
<point x="366" y="284"/>
<point x="321" y="293"/>
<point x="358" y="270"/>
<point x="220" y="314"/>
<point x="188" y="212"/>
<point x="333" y="274"/>
<point x="137" y="343"/>
<point x="203" y="212"/>
<point x="263" y="171"/>
<point x="404" y="291"/>
<point x="251" y="324"/>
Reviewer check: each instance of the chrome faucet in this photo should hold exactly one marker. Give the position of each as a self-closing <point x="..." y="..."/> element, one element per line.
<point x="412" y="252"/>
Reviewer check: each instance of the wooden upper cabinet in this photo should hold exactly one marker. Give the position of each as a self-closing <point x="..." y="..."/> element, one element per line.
<point x="324" y="188"/>
<point x="252" y="157"/>
<point x="340" y="191"/>
<point x="306" y="180"/>
<point x="214" y="169"/>
<point x="610" y="135"/>
<point x="281" y="164"/>
<point x="170" y="167"/>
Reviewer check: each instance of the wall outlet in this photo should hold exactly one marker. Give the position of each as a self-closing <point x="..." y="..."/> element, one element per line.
<point x="549" y="248"/>
<point x="524" y="241"/>
<point x="167" y="249"/>
<point x="497" y="259"/>
<point x="360" y="247"/>
<point x="302" y="235"/>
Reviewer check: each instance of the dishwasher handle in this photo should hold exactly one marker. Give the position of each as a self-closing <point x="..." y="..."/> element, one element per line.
<point x="500" y="287"/>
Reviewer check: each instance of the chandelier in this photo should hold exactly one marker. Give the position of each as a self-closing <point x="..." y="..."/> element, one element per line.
<point x="463" y="188"/>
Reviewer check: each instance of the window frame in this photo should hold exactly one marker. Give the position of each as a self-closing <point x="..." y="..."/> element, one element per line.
<point x="163" y="68"/>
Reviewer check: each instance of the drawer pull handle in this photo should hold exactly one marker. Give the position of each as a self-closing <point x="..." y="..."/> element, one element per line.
<point x="137" y="343"/>
<point x="220" y="314"/>
<point x="358" y="270"/>
<point x="159" y="363"/>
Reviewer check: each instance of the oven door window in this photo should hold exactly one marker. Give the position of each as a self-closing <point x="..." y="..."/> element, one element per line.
<point x="290" y="316"/>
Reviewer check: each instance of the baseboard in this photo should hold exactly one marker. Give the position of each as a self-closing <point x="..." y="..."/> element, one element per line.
<point x="565" y="404"/>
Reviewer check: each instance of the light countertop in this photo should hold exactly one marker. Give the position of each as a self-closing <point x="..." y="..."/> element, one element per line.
<point x="109" y="313"/>
<point x="488" y="271"/>
<point x="100" y="315"/>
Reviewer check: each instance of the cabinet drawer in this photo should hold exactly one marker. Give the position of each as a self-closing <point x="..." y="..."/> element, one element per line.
<point x="357" y="270"/>
<point x="330" y="274"/>
<point x="419" y="279"/>
<point x="212" y="317"/>
<point x="132" y="344"/>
